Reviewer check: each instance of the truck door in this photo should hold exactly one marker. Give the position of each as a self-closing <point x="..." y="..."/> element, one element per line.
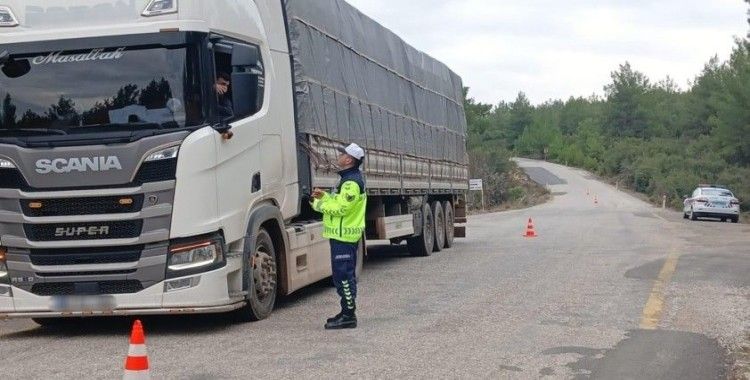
<point x="240" y="90"/>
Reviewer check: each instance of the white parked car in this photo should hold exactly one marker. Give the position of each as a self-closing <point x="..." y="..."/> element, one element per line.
<point x="711" y="201"/>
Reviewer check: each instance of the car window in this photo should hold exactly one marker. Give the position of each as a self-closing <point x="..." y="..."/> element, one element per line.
<point x="236" y="78"/>
<point x="717" y="192"/>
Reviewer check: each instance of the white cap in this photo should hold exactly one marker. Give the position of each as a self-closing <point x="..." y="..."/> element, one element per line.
<point x="355" y="151"/>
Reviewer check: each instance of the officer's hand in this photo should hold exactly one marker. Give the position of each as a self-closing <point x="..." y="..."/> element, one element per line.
<point x="318" y="193"/>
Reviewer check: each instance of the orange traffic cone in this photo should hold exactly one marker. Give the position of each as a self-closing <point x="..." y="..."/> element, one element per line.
<point x="530" y="232"/>
<point x="136" y="365"/>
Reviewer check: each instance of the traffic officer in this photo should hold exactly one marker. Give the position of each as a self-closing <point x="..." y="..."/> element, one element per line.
<point x="344" y="223"/>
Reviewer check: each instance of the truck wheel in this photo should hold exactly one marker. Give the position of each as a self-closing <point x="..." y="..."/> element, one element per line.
<point x="422" y="245"/>
<point x="736" y="219"/>
<point x="449" y="224"/>
<point x="261" y="270"/>
<point x="439" y="216"/>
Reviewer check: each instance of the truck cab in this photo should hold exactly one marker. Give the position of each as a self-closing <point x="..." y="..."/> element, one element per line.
<point x="120" y="190"/>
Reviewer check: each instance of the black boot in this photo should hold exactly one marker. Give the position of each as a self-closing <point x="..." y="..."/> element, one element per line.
<point x="345" y="321"/>
<point x="337" y="316"/>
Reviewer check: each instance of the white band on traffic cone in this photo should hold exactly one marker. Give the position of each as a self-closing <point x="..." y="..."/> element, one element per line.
<point x="137" y="350"/>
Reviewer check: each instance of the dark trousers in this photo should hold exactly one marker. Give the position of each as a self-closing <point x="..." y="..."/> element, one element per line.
<point x="344" y="264"/>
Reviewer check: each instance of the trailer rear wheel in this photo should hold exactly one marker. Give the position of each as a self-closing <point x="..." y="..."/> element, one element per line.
<point x="439" y="216"/>
<point x="261" y="269"/>
<point x="450" y="220"/>
<point x="422" y="245"/>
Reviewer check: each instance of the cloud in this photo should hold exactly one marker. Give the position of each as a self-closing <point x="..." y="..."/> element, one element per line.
<point x="554" y="49"/>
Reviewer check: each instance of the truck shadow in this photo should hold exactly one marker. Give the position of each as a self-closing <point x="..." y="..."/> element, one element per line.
<point x="120" y="326"/>
<point x="379" y="257"/>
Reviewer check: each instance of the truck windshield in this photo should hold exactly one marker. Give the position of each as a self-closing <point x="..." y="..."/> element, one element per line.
<point x="59" y="93"/>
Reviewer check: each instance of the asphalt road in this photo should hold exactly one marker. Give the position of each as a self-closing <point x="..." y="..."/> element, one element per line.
<point x="614" y="290"/>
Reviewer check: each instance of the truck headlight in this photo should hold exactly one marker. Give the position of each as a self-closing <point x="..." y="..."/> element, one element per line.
<point x="195" y="256"/>
<point x="6" y="164"/>
<point x="164" y="154"/>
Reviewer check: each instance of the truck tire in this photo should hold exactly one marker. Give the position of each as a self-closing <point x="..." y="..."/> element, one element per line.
<point x="439" y="216"/>
<point x="736" y="219"/>
<point x="422" y="245"/>
<point x="261" y="273"/>
<point x="450" y="219"/>
<point x="692" y="215"/>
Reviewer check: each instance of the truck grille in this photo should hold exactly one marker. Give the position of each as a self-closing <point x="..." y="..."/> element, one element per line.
<point x="77" y="256"/>
<point x="82" y="206"/>
<point x="11" y="179"/>
<point x="157" y="171"/>
<point x="83" y="231"/>
<point x="88" y="273"/>
<point x="87" y="288"/>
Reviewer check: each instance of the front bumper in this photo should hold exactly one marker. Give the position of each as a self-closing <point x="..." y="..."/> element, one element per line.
<point x="215" y="292"/>
<point x="129" y="312"/>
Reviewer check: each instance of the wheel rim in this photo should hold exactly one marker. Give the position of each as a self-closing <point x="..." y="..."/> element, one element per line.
<point x="264" y="273"/>
<point x="440" y="228"/>
<point x="449" y="223"/>
<point x="429" y="230"/>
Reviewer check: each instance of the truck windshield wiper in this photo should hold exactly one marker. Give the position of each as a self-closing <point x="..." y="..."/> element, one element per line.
<point x="111" y="127"/>
<point x="32" y="131"/>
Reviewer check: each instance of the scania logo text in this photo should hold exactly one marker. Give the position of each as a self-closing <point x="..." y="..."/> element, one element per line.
<point x="83" y="164"/>
<point x="82" y="231"/>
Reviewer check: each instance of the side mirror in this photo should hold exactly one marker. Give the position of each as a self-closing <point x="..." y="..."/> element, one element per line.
<point x="247" y="93"/>
<point x="245" y="55"/>
<point x="15" y="69"/>
<point x="248" y="83"/>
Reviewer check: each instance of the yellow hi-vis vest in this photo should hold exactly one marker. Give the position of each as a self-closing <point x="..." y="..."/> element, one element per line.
<point x="343" y="213"/>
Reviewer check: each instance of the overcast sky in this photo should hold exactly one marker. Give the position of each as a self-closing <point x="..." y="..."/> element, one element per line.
<point x="556" y="49"/>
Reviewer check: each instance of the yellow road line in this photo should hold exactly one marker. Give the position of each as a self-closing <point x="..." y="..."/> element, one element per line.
<point x="654" y="308"/>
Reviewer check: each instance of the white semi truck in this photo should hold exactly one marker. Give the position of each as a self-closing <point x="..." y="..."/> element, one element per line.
<point x="132" y="184"/>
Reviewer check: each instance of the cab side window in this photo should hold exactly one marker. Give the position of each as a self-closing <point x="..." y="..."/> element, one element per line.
<point x="239" y="81"/>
